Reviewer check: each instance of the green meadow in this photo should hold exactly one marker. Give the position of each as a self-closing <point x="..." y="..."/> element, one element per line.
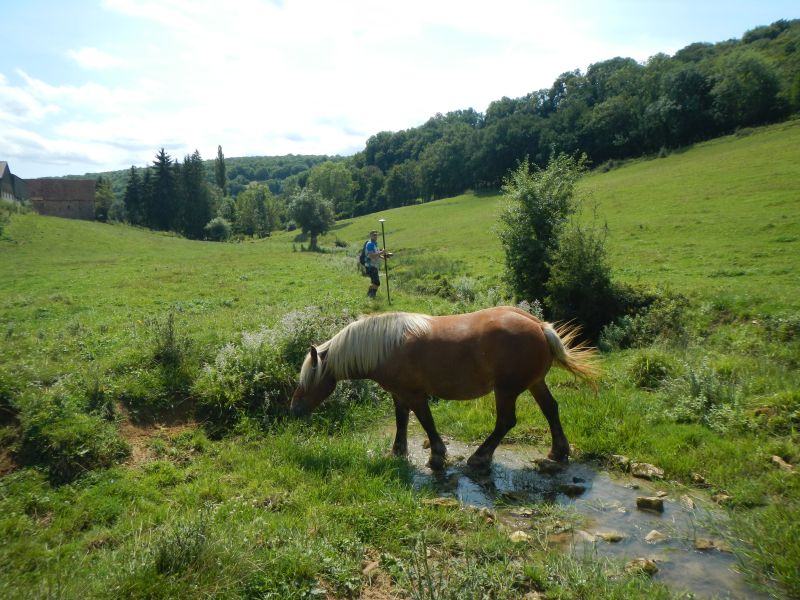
<point x="270" y="508"/>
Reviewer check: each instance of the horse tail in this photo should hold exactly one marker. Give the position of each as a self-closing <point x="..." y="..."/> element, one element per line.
<point x="579" y="359"/>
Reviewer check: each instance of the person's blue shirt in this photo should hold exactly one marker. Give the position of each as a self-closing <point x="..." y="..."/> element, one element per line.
<point x="368" y="249"/>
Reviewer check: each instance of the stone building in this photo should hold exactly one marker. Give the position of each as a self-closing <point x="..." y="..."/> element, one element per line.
<point x="69" y="198"/>
<point x="12" y="188"/>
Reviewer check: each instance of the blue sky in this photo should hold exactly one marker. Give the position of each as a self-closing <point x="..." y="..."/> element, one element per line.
<point x="97" y="85"/>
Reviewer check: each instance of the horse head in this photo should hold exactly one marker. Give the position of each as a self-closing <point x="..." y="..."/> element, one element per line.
<point x="316" y="384"/>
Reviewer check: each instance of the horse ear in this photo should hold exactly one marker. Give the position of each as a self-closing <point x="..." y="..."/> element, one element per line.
<point x="314" y="356"/>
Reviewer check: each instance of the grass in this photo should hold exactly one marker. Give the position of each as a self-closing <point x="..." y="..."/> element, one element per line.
<point x="95" y="316"/>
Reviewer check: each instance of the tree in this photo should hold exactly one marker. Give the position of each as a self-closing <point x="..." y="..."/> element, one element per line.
<point x="538" y="206"/>
<point x="312" y="213"/>
<point x="134" y="198"/>
<point x="333" y="180"/>
<point x="745" y="91"/>
<point x="196" y="201"/>
<point x="162" y="199"/>
<point x="255" y="210"/>
<point x="103" y="198"/>
<point x="219" y="171"/>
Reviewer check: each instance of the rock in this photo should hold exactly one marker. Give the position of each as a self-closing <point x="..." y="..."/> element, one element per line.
<point x="548" y="466"/>
<point x="370" y="567"/>
<point x="620" y="460"/>
<point x="442" y="501"/>
<point x="525" y="513"/>
<point x="533" y="596"/>
<point x="654" y="537"/>
<point x="708" y="544"/>
<point x="687" y="502"/>
<point x="572" y="489"/>
<point x="519" y="537"/>
<point x="643" y="565"/>
<point x="699" y="480"/>
<point x="487" y="515"/>
<point x="650" y="503"/>
<point x="662" y="494"/>
<point x="777" y="460"/>
<point x="586" y="536"/>
<point x="646" y="471"/>
<point x="611" y="537"/>
<point x="721" y="497"/>
<point x="632" y="486"/>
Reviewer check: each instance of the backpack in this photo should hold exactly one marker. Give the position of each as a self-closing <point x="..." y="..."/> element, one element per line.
<point x="362" y="259"/>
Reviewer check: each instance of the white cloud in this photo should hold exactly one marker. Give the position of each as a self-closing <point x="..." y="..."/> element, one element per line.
<point x="92" y="58"/>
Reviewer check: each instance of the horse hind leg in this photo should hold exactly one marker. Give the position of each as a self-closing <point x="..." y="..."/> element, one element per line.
<point x="506" y="408"/>
<point x="423" y="413"/>
<point x="400" y="446"/>
<point x="559" y="449"/>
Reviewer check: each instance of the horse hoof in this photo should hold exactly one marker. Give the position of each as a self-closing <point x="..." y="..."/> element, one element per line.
<point x="436" y="462"/>
<point x="479" y="462"/>
<point x="558" y="456"/>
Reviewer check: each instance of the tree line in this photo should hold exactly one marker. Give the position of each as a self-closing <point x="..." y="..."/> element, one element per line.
<point x="619" y="108"/>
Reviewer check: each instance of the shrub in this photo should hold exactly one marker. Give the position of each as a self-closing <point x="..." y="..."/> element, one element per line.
<point x="580" y="285"/>
<point x="539" y="205"/>
<point x="218" y="229"/>
<point x="656" y="318"/>
<point x="256" y="376"/>
<point x="703" y="396"/>
<point x="57" y="435"/>
<point x="651" y="369"/>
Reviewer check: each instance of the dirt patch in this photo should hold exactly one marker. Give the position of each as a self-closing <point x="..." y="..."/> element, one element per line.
<point x="139" y="436"/>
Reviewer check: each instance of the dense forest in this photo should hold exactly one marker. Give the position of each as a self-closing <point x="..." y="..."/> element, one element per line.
<point x="619" y="108"/>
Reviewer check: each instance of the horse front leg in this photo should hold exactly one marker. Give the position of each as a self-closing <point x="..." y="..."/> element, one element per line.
<point x="400" y="446"/>
<point x="438" y="450"/>
<point x="559" y="449"/>
<point x="506" y="408"/>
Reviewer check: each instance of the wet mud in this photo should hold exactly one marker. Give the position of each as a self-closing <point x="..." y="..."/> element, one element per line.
<point x="684" y="539"/>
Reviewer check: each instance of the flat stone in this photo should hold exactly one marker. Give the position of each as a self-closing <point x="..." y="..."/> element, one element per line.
<point x="698" y="479"/>
<point x="442" y="501"/>
<point x="687" y="502"/>
<point x="643" y="565"/>
<point x="650" y="503"/>
<point x="662" y="494"/>
<point x="621" y="461"/>
<point x="721" y="497"/>
<point x="611" y="537"/>
<point x="646" y="471"/>
<point x="709" y="544"/>
<point x="519" y="537"/>
<point x="782" y="464"/>
<point x="654" y="537"/>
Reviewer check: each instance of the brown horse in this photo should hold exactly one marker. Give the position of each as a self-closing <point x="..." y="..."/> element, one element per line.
<point x="458" y="357"/>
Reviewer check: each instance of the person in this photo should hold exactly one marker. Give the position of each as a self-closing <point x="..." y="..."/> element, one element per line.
<point x="374" y="256"/>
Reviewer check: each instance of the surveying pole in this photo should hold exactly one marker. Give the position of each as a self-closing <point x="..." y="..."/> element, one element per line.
<point x="385" y="260"/>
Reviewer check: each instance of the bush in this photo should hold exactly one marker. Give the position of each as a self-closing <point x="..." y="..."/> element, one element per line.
<point x="256" y="376"/>
<point x="218" y="229"/>
<point x="651" y="369"/>
<point x="57" y="435"/>
<point x="703" y="396"/>
<point x="655" y="318"/>
<point x="580" y="285"/>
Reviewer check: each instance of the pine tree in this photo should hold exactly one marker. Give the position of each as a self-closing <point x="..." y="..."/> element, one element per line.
<point x="219" y="171"/>
<point x="163" y="193"/>
<point x="134" y="198"/>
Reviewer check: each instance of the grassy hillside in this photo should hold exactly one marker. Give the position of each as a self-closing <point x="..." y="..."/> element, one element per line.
<point x="281" y="510"/>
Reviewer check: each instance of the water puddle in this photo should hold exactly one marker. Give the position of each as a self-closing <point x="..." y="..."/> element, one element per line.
<point x="609" y="522"/>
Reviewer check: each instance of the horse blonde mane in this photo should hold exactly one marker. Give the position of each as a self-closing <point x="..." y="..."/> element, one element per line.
<point x="363" y="345"/>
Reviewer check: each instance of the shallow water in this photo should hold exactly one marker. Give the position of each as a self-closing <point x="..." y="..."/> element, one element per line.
<point x="606" y="502"/>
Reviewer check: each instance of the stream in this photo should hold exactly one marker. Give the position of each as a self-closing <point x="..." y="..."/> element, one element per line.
<point x="690" y="554"/>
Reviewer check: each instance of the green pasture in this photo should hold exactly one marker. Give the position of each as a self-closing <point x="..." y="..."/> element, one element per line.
<point x="297" y="511"/>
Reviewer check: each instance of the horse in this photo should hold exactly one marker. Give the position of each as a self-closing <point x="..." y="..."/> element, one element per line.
<point x="453" y="357"/>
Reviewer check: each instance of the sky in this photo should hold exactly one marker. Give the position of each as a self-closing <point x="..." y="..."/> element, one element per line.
<point x="88" y="86"/>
